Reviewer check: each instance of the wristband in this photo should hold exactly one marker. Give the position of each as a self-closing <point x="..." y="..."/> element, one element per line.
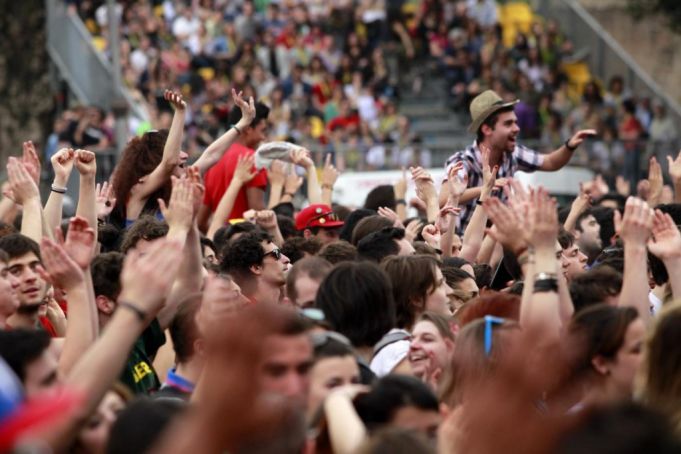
<point x="236" y="128"/>
<point x="58" y="190"/>
<point x="327" y="186"/>
<point x="438" y="251"/>
<point x="545" y="282"/>
<point x="290" y="194"/>
<point x="400" y="202"/>
<point x="567" y="145"/>
<point x="138" y="312"/>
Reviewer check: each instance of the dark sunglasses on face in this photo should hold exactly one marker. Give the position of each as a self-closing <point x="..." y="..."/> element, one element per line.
<point x="275" y="253"/>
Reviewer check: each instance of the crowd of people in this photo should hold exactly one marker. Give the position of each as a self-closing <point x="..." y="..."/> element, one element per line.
<point x="214" y="307"/>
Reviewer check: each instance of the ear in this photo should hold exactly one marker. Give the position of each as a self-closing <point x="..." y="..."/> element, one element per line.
<point x="105" y="305"/>
<point x="307" y="233"/>
<point x="601" y="365"/>
<point x="486" y="130"/>
<point x="444" y="410"/>
<point x="449" y="345"/>
<point x="256" y="269"/>
<point x="200" y="348"/>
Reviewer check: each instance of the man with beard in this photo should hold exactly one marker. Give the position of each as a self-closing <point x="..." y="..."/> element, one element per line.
<point x="257" y="265"/>
<point x="24" y="259"/>
<point x="9" y="286"/>
<point x="587" y="235"/>
<point x="496" y="126"/>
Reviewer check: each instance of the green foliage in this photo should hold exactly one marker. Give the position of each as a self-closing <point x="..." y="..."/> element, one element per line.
<point x="669" y="9"/>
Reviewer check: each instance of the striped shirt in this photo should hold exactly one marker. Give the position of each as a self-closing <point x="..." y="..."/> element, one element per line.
<point x="522" y="158"/>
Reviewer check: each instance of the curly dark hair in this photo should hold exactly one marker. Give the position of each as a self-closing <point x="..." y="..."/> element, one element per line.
<point x="240" y="255"/>
<point x="140" y="157"/>
<point x="145" y="228"/>
<point x="106" y="274"/>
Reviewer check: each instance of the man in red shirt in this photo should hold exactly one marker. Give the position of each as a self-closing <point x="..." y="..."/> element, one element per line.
<point x="252" y="194"/>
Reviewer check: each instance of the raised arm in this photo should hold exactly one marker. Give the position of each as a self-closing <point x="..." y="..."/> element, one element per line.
<point x="86" y="163"/>
<point x="425" y="190"/>
<point x="656" y="182"/>
<point x="62" y="164"/>
<point x="25" y="192"/>
<point x="171" y="149"/>
<point x="329" y="176"/>
<point x="581" y="203"/>
<point x="635" y="232"/>
<point x="675" y="175"/>
<point x="666" y="245"/>
<point x="215" y="150"/>
<point x="557" y="159"/>
<point x="242" y="174"/>
<point x="475" y="230"/>
<point x="300" y="156"/>
<point x="276" y="175"/>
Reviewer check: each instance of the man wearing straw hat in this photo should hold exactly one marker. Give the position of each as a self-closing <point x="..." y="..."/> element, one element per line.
<point x="496" y="126"/>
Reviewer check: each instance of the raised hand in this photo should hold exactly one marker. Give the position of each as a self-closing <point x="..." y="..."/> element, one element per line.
<point x="400" y="187"/>
<point x="446" y="217"/>
<point x="329" y="173"/>
<point x="675" y="167"/>
<point x="243" y="173"/>
<point x="180" y="209"/>
<point x="197" y="187"/>
<point x="457" y="184"/>
<point x="147" y="279"/>
<point x="175" y="100"/>
<point x="666" y="241"/>
<point x="543" y="220"/>
<point x="266" y="219"/>
<point x="222" y="298"/>
<point x="489" y="174"/>
<point x="508" y="229"/>
<point x="277" y="173"/>
<point x="62" y="164"/>
<point x="105" y="200"/>
<point x="80" y="241"/>
<point x="580" y="136"/>
<point x="247" y="109"/>
<point x="411" y="231"/>
<point x="293" y="181"/>
<point x="431" y="234"/>
<point x="300" y="156"/>
<point x="58" y="268"/>
<point x="637" y="222"/>
<point x="425" y="188"/>
<point x="623" y="186"/>
<point x="31" y="161"/>
<point x="655" y="180"/>
<point x="86" y="163"/>
<point x="390" y="214"/>
<point x="22" y="186"/>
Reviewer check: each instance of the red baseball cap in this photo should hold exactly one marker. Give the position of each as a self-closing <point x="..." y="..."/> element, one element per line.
<point x="317" y="215"/>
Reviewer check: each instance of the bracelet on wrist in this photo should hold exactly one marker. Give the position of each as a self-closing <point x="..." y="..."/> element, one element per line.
<point x="290" y="194"/>
<point x="237" y="129"/>
<point x="400" y="202"/>
<point x="58" y="189"/>
<point x="141" y="315"/>
<point x="567" y="145"/>
<point x="545" y="282"/>
<point x="327" y="186"/>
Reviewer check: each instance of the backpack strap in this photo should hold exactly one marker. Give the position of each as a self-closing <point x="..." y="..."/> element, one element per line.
<point x="390" y="338"/>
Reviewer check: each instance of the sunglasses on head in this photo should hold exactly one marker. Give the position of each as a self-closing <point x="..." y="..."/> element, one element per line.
<point x="319" y="339"/>
<point x="490" y="321"/>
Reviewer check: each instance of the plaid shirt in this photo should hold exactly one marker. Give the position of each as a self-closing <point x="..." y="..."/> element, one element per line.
<point x="522" y="158"/>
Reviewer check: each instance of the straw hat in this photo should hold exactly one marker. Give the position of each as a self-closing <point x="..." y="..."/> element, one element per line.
<point x="484" y="105"/>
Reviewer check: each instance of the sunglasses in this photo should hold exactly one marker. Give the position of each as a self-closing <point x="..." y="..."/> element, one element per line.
<point x="276" y="253"/>
<point x="329" y="216"/>
<point x="320" y="339"/>
<point x="490" y="321"/>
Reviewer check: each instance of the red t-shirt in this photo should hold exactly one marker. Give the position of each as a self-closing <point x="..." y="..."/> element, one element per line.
<point x="219" y="176"/>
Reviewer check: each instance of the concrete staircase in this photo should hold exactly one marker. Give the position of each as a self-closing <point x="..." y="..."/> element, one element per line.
<point x="442" y="130"/>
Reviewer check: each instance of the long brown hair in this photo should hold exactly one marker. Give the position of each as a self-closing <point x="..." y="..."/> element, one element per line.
<point x="140" y="157"/>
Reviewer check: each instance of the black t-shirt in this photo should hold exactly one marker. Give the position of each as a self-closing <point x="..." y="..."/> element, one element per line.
<point x="139" y="374"/>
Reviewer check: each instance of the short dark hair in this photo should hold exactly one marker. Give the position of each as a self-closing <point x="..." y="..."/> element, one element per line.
<point x="6" y="229"/>
<point x="565" y="238"/>
<point x="262" y="111"/>
<point x="17" y="245"/>
<point x="338" y="251"/>
<point x="483" y="275"/>
<point x="351" y="222"/>
<point x="605" y="216"/>
<point x="295" y="248"/>
<point x="315" y="267"/>
<point x="368" y="225"/>
<point x="491" y="121"/>
<point x="20" y="347"/>
<point x="106" y="274"/>
<point x="455" y="276"/>
<point x="109" y="237"/>
<point x="146" y="228"/>
<point x="183" y="329"/>
<point x="392" y="392"/>
<point x="378" y="245"/>
<point x="594" y="286"/>
<point x="239" y="256"/>
<point x="287" y="226"/>
<point x="380" y="196"/>
<point x="357" y="299"/>
<point x="619" y="199"/>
